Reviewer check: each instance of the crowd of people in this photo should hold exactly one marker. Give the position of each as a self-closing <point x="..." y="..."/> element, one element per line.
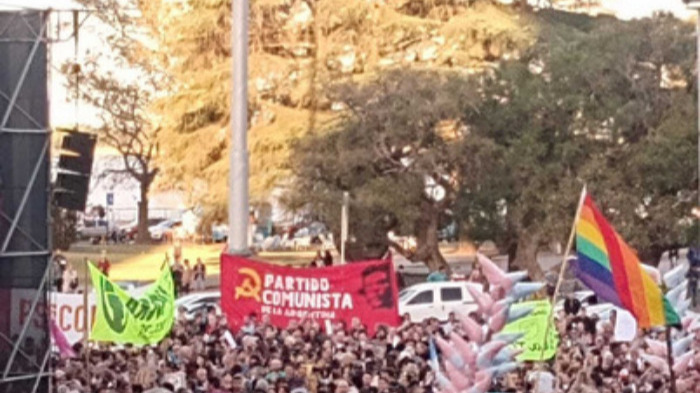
<point x="189" y="278"/>
<point x="202" y="355"/>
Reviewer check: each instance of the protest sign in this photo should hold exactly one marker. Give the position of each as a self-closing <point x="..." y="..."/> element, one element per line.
<point x="364" y="290"/>
<point x="625" y="326"/>
<point x="534" y="327"/>
<point x="121" y="318"/>
<point x="66" y="309"/>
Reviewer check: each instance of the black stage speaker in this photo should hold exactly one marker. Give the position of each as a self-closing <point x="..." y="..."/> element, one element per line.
<point x="75" y="167"/>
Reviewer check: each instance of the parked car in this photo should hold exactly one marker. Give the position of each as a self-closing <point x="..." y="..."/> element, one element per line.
<point x="164" y="230"/>
<point x="314" y="234"/>
<point x="135" y="289"/>
<point x="131" y="230"/>
<point x="196" y="303"/>
<point x="436" y="300"/>
<point x="93" y="228"/>
<point x="219" y="233"/>
<point x="448" y="233"/>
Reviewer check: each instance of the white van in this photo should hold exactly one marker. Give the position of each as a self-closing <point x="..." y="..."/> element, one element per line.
<point x="436" y="300"/>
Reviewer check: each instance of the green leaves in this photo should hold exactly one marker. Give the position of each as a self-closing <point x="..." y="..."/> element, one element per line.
<point x="603" y="109"/>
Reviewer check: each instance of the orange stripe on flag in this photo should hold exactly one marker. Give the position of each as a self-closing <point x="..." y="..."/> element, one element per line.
<point x="636" y="283"/>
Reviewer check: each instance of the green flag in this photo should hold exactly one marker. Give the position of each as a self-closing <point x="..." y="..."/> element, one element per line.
<point x="122" y="319"/>
<point x="534" y="327"/>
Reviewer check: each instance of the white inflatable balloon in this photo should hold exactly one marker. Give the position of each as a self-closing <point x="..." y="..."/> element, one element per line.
<point x="676" y="275"/>
<point x="487" y="353"/>
<point x="508" y="337"/>
<point x="514" y="315"/>
<point x="522" y="290"/>
<point x="677" y="293"/>
<point x="682" y="346"/>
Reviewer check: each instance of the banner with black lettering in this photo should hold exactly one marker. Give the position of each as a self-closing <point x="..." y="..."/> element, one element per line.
<point x="121" y="318"/>
<point x="363" y="290"/>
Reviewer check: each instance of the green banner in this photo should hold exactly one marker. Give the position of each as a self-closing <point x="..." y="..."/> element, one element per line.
<point x="122" y="319"/>
<point x="534" y="327"/>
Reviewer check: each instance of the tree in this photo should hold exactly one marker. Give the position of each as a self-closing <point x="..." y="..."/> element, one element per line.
<point x="64" y="228"/>
<point x="607" y="107"/>
<point x="394" y="151"/>
<point x="295" y="49"/>
<point x="122" y="101"/>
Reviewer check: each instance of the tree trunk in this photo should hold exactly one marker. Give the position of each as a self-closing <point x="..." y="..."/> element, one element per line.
<point x="143" y="235"/>
<point x="526" y="256"/>
<point x="427" y="242"/>
<point x="652" y="255"/>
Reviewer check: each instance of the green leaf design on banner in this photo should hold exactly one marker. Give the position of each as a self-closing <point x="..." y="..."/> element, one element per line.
<point x="121" y="318"/>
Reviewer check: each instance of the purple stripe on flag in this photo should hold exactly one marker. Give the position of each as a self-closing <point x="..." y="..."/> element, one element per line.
<point x="599" y="285"/>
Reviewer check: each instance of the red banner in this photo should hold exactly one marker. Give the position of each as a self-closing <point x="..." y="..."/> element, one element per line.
<point x="364" y="290"/>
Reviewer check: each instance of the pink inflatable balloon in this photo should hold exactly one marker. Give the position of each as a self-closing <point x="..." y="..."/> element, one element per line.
<point x="656" y="362"/>
<point x="457" y="378"/>
<point x="472" y="329"/>
<point x="483" y="300"/>
<point x="445" y="383"/>
<point x="656" y="347"/>
<point x="449" y="353"/>
<point x="497" y="293"/>
<point x="498" y="320"/>
<point x="653" y="273"/>
<point x="484" y="374"/>
<point x="465" y="349"/>
<point x="499" y="306"/>
<point x="493" y="273"/>
<point x="487" y="353"/>
<point x="685" y="385"/>
<point x="481" y="386"/>
<point x="682" y="362"/>
<point x="687" y="321"/>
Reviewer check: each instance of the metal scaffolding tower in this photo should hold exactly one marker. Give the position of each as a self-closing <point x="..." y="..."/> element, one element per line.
<point x="25" y="242"/>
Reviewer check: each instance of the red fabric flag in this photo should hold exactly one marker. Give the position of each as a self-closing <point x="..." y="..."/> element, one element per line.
<point x="363" y="290"/>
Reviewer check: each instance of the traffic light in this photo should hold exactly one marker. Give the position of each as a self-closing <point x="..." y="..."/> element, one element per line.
<point x="74" y="169"/>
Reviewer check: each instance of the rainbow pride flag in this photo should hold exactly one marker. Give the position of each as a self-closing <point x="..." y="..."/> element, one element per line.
<point x="608" y="266"/>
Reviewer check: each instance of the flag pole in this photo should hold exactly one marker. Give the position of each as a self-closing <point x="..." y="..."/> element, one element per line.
<point x="669" y="355"/>
<point x="86" y="319"/>
<point x="569" y="246"/>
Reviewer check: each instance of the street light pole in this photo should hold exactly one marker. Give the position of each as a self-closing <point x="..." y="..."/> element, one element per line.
<point x="238" y="213"/>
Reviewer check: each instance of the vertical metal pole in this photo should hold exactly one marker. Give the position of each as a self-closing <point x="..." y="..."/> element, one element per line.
<point x="238" y="152"/>
<point x="697" y="49"/>
<point x="27" y="322"/>
<point x="86" y="305"/>
<point x="25" y="196"/>
<point x="669" y="358"/>
<point x="344" y="226"/>
<point x="41" y="372"/>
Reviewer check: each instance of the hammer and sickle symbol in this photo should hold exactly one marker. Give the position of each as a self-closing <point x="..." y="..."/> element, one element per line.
<point x="250" y="287"/>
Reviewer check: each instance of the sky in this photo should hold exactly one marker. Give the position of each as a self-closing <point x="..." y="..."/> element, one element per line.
<point x="630" y="9"/>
